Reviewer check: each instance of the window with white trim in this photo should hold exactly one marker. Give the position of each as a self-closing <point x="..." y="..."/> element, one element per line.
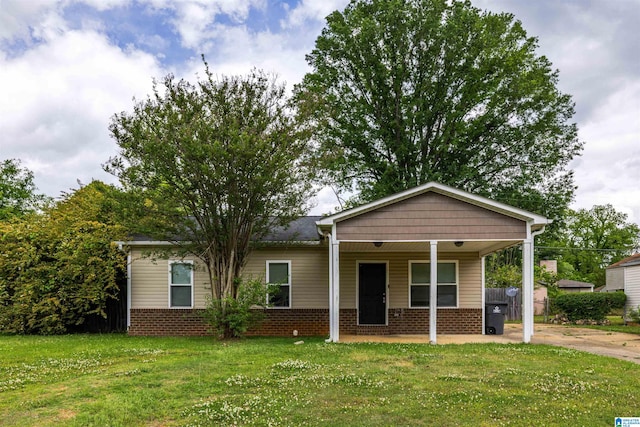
<point x="420" y="283"/>
<point x="279" y="273"/>
<point x="181" y="284"/>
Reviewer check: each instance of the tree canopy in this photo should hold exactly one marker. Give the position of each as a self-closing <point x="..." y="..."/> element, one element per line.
<point x="410" y="91"/>
<point x="218" y="163"/>
<point x="61" y="266"/>
<point x="17" y="190"/>
<point x="592" y="240"/>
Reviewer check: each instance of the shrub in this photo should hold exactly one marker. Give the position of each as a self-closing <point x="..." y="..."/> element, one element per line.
<point x="232" y="317"/>
<point x="589" y="306"/>
<point x="634" y="314"/>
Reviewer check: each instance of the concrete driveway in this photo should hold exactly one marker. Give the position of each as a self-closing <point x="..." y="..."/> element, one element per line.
<point x="613" y="344"/>
<point x="604" y="343"/>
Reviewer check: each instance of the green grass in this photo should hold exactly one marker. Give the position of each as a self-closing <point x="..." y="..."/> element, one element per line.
<point x="116" y="380"/>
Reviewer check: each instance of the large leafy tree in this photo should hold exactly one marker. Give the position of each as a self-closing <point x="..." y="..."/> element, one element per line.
<point x="18" y="193"/>
<point x="60" y="266"/>
<point x="219" y="163"/>
<point x="593" y="239"/>
<point x="410" y="91"/>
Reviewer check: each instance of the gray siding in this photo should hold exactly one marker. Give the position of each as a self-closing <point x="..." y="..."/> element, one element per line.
<point x="614" y="279"/>
<point x="431" y="216"/>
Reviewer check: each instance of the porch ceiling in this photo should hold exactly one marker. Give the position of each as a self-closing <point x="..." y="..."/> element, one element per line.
<point x="482" y="247"/>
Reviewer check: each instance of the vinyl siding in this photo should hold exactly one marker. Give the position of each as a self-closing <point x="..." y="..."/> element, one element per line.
<point x="150" y="281"/>
<point x="309" y="277"/>
<point x="309" y="273"/>
<point x="614" y="279"/>
<point x="469" y="280"/>
<point x="431" y="216"/>
<point x="632" y="286"/>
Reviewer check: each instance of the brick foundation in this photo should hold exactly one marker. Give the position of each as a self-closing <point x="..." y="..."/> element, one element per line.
<point x="282" y="322"/>
<point x="309" y="322"/>
<point x="188" y="322"/>
<point x="416" y="321"/>
<point x="167" y="322"/>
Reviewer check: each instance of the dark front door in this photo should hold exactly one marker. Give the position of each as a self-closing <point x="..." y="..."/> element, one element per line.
<point x="372" y="294"/>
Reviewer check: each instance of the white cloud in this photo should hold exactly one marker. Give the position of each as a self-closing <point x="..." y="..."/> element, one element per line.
<point x="19" y="17"/>
<point x="609" y="170"/>
<point x="58" y="99"/>
<point x="194" y="19"/>
<point x="312" y="10"/>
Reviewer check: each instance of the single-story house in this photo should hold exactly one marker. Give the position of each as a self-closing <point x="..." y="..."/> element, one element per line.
<point x="624" y="275"/>
<point x="575" y="286"/>
<point x="365" y="270"/>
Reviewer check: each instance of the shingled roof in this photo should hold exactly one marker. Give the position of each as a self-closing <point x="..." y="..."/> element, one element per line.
<point x="627" y="262"/>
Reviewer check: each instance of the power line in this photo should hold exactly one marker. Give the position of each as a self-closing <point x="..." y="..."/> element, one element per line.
<point x="585" y="249"/>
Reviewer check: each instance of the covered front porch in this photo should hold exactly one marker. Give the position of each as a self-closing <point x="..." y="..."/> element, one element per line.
<point x="384" y="256"/>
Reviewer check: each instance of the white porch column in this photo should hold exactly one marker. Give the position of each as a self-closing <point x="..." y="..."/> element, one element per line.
<point x="129" y="260"/>
<point x="527" y="290"/>
<point x="330" y="237"/>
<point x="483" y="283"/>
<point x="433" y="291"/>
<point x="334" y="309"/>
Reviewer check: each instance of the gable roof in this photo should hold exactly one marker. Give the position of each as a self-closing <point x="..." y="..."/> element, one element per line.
<point x="536" y="221"/>
<point x="627" y="262"/>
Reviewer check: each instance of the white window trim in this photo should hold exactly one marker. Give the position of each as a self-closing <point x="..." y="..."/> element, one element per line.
<point x="171" y="262"/>
<point x="440" y="261"/>
<point x="277" y="261"/>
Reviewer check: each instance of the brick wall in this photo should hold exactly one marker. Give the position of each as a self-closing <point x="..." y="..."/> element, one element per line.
<point x="162" y="322"/>
<point x="188" y="322"/>
<point x="282" y="322"/>
<point x="416" y="321"/>
<point x="309" y="322"/>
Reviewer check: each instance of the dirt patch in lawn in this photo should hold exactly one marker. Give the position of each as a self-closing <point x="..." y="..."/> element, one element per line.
<point x="614" y="344"/>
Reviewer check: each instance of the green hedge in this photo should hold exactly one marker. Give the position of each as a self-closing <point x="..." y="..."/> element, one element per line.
<point x="589" y="306"/>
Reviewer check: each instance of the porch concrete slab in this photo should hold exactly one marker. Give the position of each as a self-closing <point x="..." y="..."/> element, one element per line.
<point x="613" y="344"/>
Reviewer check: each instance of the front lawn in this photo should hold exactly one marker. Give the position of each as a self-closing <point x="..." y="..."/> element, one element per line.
<point x="122" y="381"/>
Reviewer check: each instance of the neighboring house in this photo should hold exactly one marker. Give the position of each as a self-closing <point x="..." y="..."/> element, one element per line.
<point x="539" y="300"/>
<point x="575" y="286"/>
<point x="624" y="275"/>
<point x="366" y="270"/>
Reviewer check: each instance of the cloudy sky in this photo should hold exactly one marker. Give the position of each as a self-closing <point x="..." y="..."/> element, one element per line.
<point x="67" y="66"/>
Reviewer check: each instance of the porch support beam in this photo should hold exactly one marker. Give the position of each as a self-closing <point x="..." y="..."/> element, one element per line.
<point x="334" y="288"/>
<point x="483" y="284"/>
<point x="527" y="290"/>
<point x="433" y="291"/>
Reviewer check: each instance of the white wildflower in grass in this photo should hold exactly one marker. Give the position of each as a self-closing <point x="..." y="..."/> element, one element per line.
<point x="295" y="365"/>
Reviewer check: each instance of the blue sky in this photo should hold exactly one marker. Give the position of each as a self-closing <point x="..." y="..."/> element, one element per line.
<point x="67" y="66"/>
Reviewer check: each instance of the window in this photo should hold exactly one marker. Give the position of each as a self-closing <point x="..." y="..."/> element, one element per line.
<point x="180" y="284"/>
<point x="279" y="273"/>
<point x="420" y="280"/>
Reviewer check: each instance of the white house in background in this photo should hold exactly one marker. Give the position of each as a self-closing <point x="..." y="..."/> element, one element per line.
<point x="624" y="275"/>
